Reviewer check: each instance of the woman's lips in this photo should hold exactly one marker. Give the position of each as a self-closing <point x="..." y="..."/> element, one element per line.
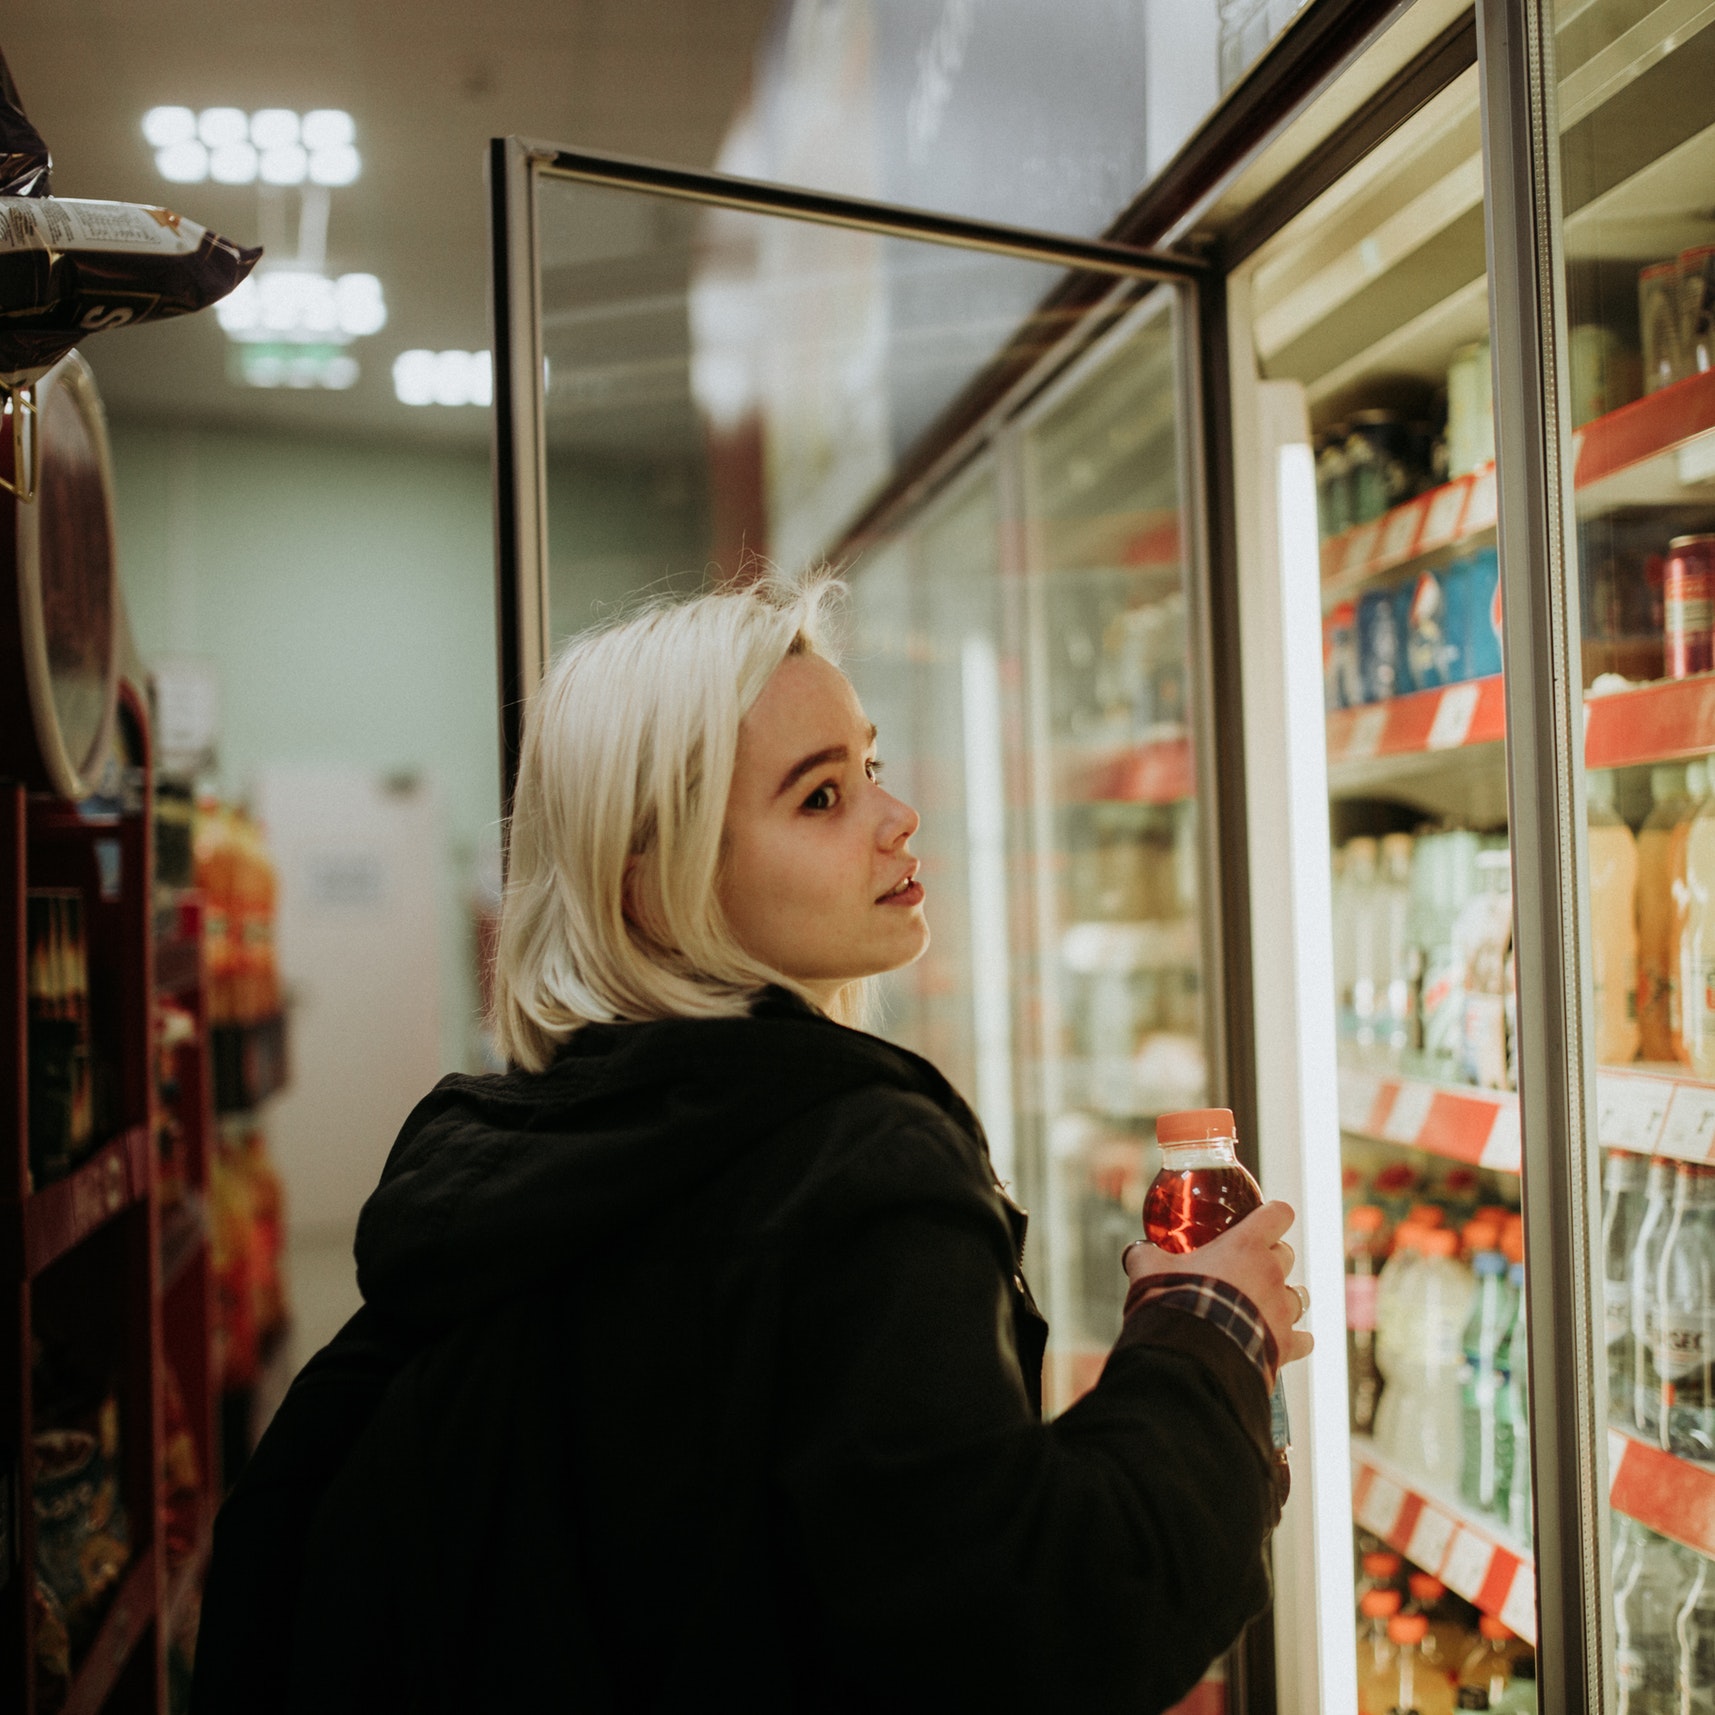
<point x="911" y="894"/>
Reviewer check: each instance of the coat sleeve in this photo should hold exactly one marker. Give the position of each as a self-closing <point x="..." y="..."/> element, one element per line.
<point x="962" y="1552"/>
<point x="244" y="1642"/>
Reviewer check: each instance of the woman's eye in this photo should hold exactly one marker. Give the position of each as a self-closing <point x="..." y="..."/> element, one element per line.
<point x="823" y="798"/>
<point x="874" y="767"/>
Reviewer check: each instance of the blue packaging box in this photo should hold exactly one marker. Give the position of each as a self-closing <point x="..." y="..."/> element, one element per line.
<point x="1482" y="614"/>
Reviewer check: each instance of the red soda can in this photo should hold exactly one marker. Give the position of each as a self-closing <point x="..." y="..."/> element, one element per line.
<point x="1688" y="606"/>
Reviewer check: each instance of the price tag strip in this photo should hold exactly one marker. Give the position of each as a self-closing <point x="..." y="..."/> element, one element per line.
<point x="1479" y="1127"/>
<point x="1672" y="1496"/>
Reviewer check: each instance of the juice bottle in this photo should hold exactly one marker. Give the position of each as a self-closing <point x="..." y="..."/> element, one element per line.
<point x="1202" y="1188"/>
<point x="1679" y="1019"/>
<point x="1613" y="924"/>
<point x="1658" y="960"/>
<point x="1696" y="924"/>
<point x="1378" y="1672"/>
<point x="1366" y="1249"/>
<point x="1421" y="1690"/>
<point x="1486" y="1670"/>
<point x="1444" y="1648"/>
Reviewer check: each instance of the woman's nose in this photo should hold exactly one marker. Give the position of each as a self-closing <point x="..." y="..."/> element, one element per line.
<point x="899" y="822"/>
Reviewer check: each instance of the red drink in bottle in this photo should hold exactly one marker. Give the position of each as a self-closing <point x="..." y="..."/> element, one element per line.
<point x="1201" y="1189"/>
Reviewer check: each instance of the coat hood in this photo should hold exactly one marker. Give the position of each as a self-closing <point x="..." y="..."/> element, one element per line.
<point x="498" y="1183"/>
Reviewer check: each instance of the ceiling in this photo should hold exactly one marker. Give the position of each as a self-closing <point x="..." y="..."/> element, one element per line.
<point x="428" y="84"/>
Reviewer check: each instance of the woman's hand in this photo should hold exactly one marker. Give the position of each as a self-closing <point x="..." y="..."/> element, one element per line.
<point x="1251" y="1256"/>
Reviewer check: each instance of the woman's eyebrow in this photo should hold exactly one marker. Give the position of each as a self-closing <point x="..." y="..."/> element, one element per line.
<point x="834" y="753"/>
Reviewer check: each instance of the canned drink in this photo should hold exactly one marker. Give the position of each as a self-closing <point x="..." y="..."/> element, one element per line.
<point x="1378" y="464"/>
<point x="1343" y="679"/>
<point x="1604" y="372"/>
<point x="1333" y="499"/>
<point x="1688" y="606"/>
<point x="1435" y="628"/>
<point x="1697" y="298"/>
<point x="1660" y="315"/>
<point x="1470" y="409"/>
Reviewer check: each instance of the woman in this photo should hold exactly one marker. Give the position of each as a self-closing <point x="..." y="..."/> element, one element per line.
<point x="696" y="1368"/>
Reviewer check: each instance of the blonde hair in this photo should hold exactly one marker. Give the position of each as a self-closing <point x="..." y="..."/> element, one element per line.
<point x="627" y="763"/>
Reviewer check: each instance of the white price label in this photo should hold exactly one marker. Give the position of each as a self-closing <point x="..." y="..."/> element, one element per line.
<point x="1454" y="714"/>
<point x="1380" y="1511"/>
<point x="1410" y="1109"/>
<point x="1689" y="1129"/>
<point x="1481" y="509"/>
<point x="1519" y="1609"/>
<point x="1361" y="549"/>
<point x="1501" y="1152"/>
<point x="1399" y="532"/>
<point x="1358" y="1092"/>
<point x="1367" y="732"/>
<point x="1430" y="1538"/>
<point x="1441" y="521"/>
<point x="1630" y="1108"/>
<point x="1468" y="1564"/>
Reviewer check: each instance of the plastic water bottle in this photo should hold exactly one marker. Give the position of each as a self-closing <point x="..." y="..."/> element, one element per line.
<point x="1646" y="1613"/>
<point x="1426" y="1427"/>
<point x="1694" y="1633"/>
<point x="1623" y="1183"/>
<point x="1393" y="1338"/>
<point x="1366" y="1251"/>
<point x="1512" y="1427"/>
<point x="1481" y="1477"/>
<point x="1685" y="1316"/>
<point x="1361" y="895"/>
<point x="1397" y="1000"/>
<point x="1646" y="1253"/>
<point x="1487" y="1669"/>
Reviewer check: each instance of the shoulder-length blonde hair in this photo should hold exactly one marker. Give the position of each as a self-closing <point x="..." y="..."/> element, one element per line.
<point x="627" y="764"/>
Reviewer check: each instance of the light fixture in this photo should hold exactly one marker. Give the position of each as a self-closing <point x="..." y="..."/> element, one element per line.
<point x="273" y="145"/>
<point x="443" y="378"/>
<point x="294" y="304"/>
<point x="295" y="365"/>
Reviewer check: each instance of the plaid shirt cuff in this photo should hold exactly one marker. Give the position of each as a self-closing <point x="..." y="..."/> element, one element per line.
<point x="1215" y="1301"/>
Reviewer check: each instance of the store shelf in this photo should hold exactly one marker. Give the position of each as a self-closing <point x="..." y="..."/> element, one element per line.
<point x="184" y="1232"/>
<point x="178" y="966"/>
<point x="130" y="1616"/>
<point x="185" y="1580"/>
<point x="1452" y="717"/>
<point x="1655" y="1110"/>
<point x="1672" y="1496"/>
<point x="1478" y="1127"/>
<point x="1089" y="949"/>
<point x="1666" y="722"/>
<point x="65" y="1213"/>
<point x="250" y="1063"/>
<point x="1621" y="459"/>
<point x="1468" y="1551"/>
<point x="1160" y="772"/>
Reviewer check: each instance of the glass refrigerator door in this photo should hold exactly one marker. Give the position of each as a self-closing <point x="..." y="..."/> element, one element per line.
<point x="1633" y="302"/>
<point x="1382" y="917"/>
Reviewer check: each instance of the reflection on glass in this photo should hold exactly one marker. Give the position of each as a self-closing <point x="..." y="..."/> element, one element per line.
<point x="1116" y="829"/>
<point x="1637" y="154"/>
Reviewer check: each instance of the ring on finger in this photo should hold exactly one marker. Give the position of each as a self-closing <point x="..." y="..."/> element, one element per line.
<point x="1129" y="1249"/>
<point x="1303" y="1302"/>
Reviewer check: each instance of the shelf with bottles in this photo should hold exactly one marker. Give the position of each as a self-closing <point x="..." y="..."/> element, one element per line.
<point x="64" y="1213"/>
<point x="115" y="1654"/>
<point x="1159" y="771"/>
<point x="1099" y="948"/>
<point x="1674" y="1497"/>
<point x="1469" y="1551"/>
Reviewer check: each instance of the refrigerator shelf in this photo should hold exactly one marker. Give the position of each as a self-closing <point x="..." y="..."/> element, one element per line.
<point x="1159" y="772"/>
<point x="1478" y="1127"/>
<point x="1672" y="720"/>
<point x="1671" y="1496"/>
<point x="1630" y="457"/>
<point x="1470" y="1552"/>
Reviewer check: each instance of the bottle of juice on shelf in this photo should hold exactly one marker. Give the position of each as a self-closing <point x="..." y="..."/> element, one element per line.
<point x="1694" y="877"/>
<point x="1366" y="1251"/>
<point x="1421" y="1689"/>
<point x="1444" y="1647"/>
<point x="1623" y="1204"/>
<point x="1363" y="947"/>
<point x="1646" y="1608"/>
<point x="1378" y="1667"/>
<point x="1481" y="1478"/>
<point x="1694" y="1638"/>
<point x="1658" y="957"/>
<point x="1396" y="1022"/>
<point x="1487" y="1669"/>
<point x="1685" y="1316"/>
<point x="1646" y="1254"/>
<point x="1381" y="1569"/>
<point x="1613" y="924"/>
<point x="1519" y="1698"/>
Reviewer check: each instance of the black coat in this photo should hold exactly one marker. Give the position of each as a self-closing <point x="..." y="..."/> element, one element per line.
<point x="698" y="1373"/>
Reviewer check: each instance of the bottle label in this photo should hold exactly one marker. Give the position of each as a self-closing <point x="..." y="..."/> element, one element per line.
<point x="1618" y="1321"/>
<point x="1685" y="1342"/>
<point x="1361" y="1303"/>
<point x="1473" y="1697"/>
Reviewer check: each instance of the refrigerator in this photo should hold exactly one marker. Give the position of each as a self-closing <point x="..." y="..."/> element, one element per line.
<point x="1298" y="637"/>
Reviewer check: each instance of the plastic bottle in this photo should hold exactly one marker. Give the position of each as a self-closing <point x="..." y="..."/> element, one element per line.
<point x="1366" y="1251"/>
<point x="1679" y="851"/>
<point x="1443" y="1648"/>
<point x="1363" y="1006"/>
<point x="1623" y="1182"/>
<point x="1646" y="1253"/>
<point x="1422" y="1690"/>
<point x="1443" y="878"/>
<point x="1486" y="1670"/>
<point x="1481" y="1479"/>
<point x="1519" y="1698"/>
<point x="1694" y="1635"/>
<point x="1482" y="940"/>
<point x="1512" y="1425"/>
<point x="1613" y="924"/>
<point x="1658" y="961"/>
<point x="1378" y="1672"/>
<point x="1426" y="1428"/>
<point x="1393" y="1336"/>
<point x="1696" y="923"/>
<point x="1685" y="1316"/>
<point x="1397" y="1003"/>
<point x="1646" y="1611"/>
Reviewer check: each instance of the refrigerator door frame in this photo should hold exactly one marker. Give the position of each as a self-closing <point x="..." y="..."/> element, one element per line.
<point x="1550" y="858"/>
<point x="516" y="168"/>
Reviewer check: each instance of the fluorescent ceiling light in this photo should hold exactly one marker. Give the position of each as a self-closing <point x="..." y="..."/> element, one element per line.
<point x="183" y="163"/>
<point x="282" y="305"/>
<point x="220" y="126"/>
<point x="328" y="128"/>
<point x="443" y="378"/>
<point x="272" y="144"/>
<point x="284" y="164"/>
<point x="334" y="166"/>
<point x="165" y="126"/>
<point x="274" y="128"/>
<point x="232" y="164"/>
<point x="296" y="366"/>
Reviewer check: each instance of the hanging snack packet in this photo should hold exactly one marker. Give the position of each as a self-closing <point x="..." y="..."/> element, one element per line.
<point x="24" y="160"/>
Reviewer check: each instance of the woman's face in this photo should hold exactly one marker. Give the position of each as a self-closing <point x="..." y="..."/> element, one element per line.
<point x="815" y="848"/>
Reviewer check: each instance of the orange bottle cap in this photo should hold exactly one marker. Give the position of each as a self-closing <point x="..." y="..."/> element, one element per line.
<point x="1408" y="1628"/>
<point x="1381" y="1563"/>
<point x="1194" y="1125"/>
<point x="1490" y="1627"/>
<point x="1426" y="1587"/>
<point x="1378" y="1604"/>
<point x="1438" y="1241"/>
<point x="1366" y="1218"/>
<point x="1424" y="1215"/>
